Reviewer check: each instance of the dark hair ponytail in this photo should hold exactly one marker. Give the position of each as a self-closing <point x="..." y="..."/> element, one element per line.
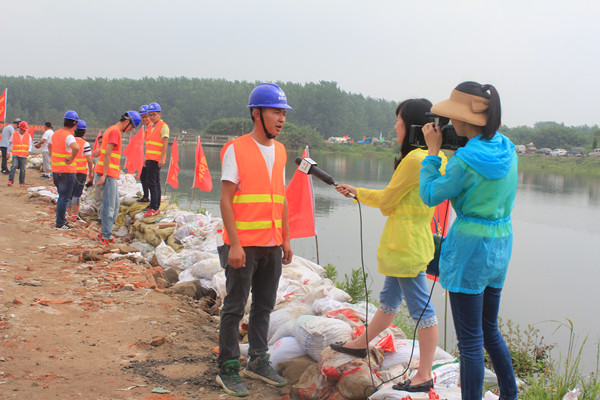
<point x="494" y="112"/>
<point x="412" y="112"/>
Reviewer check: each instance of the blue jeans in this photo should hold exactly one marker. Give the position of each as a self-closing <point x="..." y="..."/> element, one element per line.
<point x="476" y="323"/>
<point x="261" y="274"/>
<point x="110" y="205"/>
<point x="20" y="163"/>
<point x="416" y="293"/>
<point x="64" y="182"/>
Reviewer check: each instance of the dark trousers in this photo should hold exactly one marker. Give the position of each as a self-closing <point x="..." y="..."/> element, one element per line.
<point x="4" y="158"/>
<point x="144" y="183"/>
<point x="64" y="183"/>
<point x="261" y="275"/>
<point x="153" y="182"/>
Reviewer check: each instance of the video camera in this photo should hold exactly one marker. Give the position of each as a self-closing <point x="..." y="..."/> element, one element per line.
<point x="450" y="139"/>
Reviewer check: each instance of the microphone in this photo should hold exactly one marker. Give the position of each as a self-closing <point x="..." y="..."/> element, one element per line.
<point x="309" y="166"/>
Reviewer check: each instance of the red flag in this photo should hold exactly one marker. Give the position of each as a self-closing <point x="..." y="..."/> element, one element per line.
<point x="441" y="219"/>
<point x="3" y="105"/>
<point x="301" y="204"/>
<point x="173" y="166"/>
<point x="202" y="179"/>
<point x="134" y="153"/>
<point x="31" y="131"/>
<point x="96" y="144"/>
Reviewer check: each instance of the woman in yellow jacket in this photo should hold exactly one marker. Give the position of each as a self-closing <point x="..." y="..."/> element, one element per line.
<point x="405" y="248"/>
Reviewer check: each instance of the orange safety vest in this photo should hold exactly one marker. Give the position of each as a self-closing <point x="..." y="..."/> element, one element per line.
<point x="259" y="199"/>
<point x="60" y="152"/>
<point x="20" y="146"/>
<point x="154" y="144"/>
<point x="81" y="160"/>
<point x="114" y="167"/>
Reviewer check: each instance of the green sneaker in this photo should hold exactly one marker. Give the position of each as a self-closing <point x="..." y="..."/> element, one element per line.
<point x="229" y="379"/>
<point x="260" y="368"/>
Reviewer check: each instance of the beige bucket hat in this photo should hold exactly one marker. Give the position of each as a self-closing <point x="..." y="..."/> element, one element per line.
<point x="463" y="107"/>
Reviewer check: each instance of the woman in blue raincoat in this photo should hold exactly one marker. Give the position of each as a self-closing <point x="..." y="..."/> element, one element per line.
<point x="481" y="182"/>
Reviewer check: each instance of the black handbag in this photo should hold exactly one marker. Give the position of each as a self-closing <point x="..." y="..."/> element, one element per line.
<point x="433" y="268"/>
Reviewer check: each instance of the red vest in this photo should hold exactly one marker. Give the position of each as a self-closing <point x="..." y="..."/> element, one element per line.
<point x="114" y="168"/>
<point x="60" y="152"/>
<point x="259" y="199"/>
<point x="20" y="146"/>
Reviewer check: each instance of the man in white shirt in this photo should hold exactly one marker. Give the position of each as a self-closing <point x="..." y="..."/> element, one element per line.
<point x="6" y="136"/>
<point x="43" y="146"/>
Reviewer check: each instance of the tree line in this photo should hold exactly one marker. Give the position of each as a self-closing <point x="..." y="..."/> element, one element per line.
<point x="191" y="104"/>
<point x="218" y="106"/>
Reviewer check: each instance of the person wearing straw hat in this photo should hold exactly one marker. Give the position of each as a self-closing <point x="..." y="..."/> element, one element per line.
<point x="405" y="249"/>
<point x="481" y="182"/>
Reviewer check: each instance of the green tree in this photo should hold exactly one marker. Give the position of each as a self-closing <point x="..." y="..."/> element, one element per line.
<point x="230" y="126"/>
<point x="295" y="137"/>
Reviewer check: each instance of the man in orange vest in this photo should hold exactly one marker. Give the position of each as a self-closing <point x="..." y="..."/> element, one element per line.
<point x="83" y="171"/>
<point x="156" y="155"/>
<point x="108" y="170"/>
<point x="21" y="146"/>
<point x="256" y="236"/>
<point x="63" y="149"/>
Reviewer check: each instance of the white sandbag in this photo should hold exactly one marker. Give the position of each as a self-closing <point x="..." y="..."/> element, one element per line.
<point x="186" y="276"/>
<point x="283" y="330"/>
<point x="289" y="290"/>
<point x="571" y="394"/>
<point x="285" y="348"/>
<point x="386" y="392"/>
<point x="300" y="261"/>
<point x="402" y="354"/>
<point x="289" y="313"/>
<point x="206" y="268"/>
<point x="218" y="284"/>
<point x="325" y="288"/>
<point x="315" y="333"/>
<point x="300" y="274"/>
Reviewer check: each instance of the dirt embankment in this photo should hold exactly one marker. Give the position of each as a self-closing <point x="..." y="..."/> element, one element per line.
<point x="71" y="329"/>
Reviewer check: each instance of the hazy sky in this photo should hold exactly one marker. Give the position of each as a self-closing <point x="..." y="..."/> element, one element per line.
<point x="542" y="56"/>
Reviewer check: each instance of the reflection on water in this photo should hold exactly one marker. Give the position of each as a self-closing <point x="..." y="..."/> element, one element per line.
<point x="554" y="262"/>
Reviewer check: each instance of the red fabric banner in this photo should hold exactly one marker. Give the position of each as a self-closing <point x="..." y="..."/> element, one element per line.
<point x="134" y="153"/>
<point x="202" y="178"/>
<point x="3" y="105"/>
<point x="301" y="204"/>
<point x="174" y="166"/>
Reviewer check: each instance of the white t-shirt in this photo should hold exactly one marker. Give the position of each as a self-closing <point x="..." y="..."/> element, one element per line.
<point x="229" y="169"/>
<point x="68" y="141"/>
<point x="47" y="135"/>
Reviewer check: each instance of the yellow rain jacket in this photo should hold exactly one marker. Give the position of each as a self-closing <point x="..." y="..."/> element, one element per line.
<point x="406" y="245"/>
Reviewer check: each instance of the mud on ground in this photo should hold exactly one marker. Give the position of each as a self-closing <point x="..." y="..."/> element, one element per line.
<point x="70" y="329"/>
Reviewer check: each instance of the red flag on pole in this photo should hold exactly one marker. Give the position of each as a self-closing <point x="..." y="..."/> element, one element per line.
<point x="174" y="166"/>
<point x="134" y="153"/>
<point x="3" y="105"/>
<point x="96" y="142"/>
<point x="439" y="228"/>
<point x="202" y="178"/>
<point x="301" y="204"/>
<point x="31" y="131"/>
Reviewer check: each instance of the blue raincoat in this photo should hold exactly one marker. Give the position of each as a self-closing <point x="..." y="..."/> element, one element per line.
<point x="481" y="183"/>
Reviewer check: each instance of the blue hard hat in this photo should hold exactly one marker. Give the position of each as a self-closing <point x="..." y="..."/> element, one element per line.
<point x="72" y="115"/>
<point x="154" y="107"/>
<point x="135" y="118"/>
<point x="81" y="124"/>
<point x="268" y="95"/>
<point x="144" y="109"/>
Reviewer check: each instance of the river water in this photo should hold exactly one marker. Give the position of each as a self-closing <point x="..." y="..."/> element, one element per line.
<point x="554" y="270"/>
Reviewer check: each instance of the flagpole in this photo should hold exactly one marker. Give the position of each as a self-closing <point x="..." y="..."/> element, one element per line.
<point x="191" y="199"/>
<point x="317" y="245"/>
